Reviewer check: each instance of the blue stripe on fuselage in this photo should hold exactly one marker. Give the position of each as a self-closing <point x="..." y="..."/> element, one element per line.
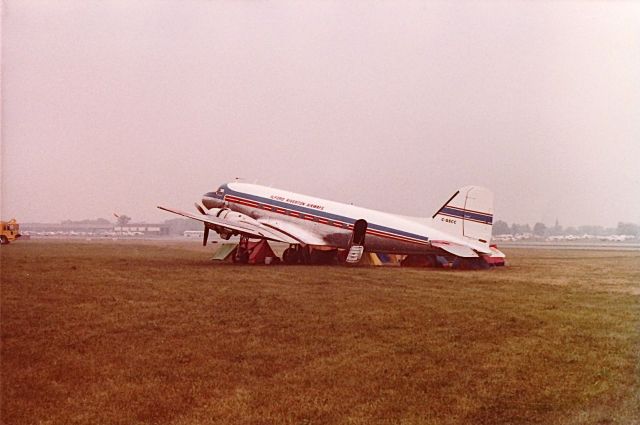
<point x="460" y="213"/>
<point x="318" y="213"/>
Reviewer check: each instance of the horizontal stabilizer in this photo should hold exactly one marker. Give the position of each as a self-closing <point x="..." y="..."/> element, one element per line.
<point x="496" y="253"/>
<point x="455" y="249"/>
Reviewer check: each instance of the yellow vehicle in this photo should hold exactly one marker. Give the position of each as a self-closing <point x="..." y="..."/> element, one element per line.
<point x="9" y="231"/>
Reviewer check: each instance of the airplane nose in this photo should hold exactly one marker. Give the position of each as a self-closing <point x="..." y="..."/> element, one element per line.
<point x="211" y="200"/>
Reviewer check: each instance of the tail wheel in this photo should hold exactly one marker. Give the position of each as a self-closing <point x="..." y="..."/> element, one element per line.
<point x="470" y="264"/>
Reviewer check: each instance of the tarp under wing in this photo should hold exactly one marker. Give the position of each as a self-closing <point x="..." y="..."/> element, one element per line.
<point x="258" y="251"/>
<point x="225" y="251"/>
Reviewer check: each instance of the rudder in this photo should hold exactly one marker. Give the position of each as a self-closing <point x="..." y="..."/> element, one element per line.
<point x="467" y="214"/>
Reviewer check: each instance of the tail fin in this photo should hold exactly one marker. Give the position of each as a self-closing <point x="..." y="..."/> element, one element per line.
<point x="468" y="214"/>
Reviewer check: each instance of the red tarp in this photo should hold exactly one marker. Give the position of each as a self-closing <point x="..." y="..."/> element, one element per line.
<point x="260" y="250"/>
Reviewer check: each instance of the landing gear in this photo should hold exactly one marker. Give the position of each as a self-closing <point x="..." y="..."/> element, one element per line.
<point x="241" y="258"/>
<point x="242" y="252"/>
<point x="297" y="254"/>
<point x="291" y="255"/>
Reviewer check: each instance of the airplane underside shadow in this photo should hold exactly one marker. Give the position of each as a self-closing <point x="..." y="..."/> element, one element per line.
<point x="261" y="253"/>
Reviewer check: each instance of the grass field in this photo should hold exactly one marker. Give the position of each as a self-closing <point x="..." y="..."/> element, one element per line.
<point x="101" y="333"/>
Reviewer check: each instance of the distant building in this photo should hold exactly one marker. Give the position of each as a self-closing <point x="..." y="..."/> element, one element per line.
<point x="140" y="229"/>
<point x="70" y="228"/>
<point x="213" y="236"/>
<point x="67" y="228"/>
<point x="199" y="234"/>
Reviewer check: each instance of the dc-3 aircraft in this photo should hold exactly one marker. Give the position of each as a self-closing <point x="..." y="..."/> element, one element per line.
<point x="316" y="228"/>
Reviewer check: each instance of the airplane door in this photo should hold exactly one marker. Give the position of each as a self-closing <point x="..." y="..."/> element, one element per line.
<point x="356" y="246"/>
<point x="359" y="232"/>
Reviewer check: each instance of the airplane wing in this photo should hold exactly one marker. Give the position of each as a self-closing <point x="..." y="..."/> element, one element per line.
<point x="246" y="228"/>
<point x="300" y="234"/>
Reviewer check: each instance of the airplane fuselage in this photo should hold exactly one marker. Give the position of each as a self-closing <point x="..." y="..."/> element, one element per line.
<point x="332" y="223"/>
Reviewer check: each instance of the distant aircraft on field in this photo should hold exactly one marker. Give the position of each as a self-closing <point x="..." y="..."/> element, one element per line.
<point x="460" y="228"/>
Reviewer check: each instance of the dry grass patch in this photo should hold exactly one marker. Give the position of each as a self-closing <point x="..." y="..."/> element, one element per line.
<point x="143" y="333"/>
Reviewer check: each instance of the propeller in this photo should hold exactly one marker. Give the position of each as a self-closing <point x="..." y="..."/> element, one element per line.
<point x="206" y="228"/>
<point x="199" y="208"/>
<point x="206" y="235"/>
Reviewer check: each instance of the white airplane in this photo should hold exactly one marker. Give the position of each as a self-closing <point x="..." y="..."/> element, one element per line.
<point x="460" y="228"/>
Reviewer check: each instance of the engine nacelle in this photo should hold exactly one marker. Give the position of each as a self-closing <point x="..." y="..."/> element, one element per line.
<point x="213" y="202"/>
<point x="233" y="217"/>
<point x="236" y="217"/>
<point x="216" y="212"/>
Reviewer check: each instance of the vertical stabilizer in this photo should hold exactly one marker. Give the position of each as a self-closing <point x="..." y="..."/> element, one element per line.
<point x="468" y="214"/>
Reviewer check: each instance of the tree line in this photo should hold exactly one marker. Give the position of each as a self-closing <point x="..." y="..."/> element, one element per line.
<point x="540" y="229"/>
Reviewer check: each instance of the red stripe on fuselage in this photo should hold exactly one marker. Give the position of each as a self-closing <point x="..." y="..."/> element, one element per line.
<point x="396" y="237"/>
<point x="249" y="204"/>
<point x="380" y="233"/>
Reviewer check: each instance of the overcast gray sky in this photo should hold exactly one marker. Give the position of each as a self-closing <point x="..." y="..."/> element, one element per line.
<point x="123" y="105"/>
